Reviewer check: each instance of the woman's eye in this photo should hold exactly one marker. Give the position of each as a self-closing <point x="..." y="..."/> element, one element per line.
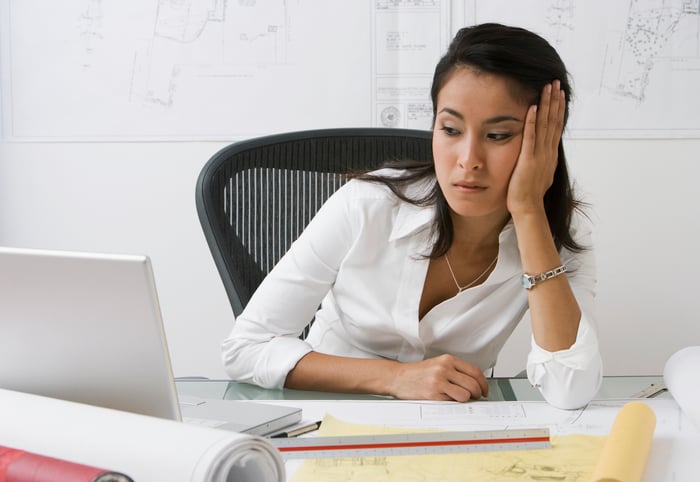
<point x="497" y="136"/>
<point x="450" y="131"/>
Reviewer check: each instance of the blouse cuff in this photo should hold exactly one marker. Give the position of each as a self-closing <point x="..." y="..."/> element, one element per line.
<point x="577" y="357"/>
<point x="568" y="378"/>
<point x="281" y="355"/>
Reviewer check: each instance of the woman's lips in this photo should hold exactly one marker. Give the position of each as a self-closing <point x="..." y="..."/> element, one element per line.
<point x="469" y="187"/>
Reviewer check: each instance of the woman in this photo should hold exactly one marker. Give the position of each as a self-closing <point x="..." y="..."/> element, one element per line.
<point x="423" y="270"/>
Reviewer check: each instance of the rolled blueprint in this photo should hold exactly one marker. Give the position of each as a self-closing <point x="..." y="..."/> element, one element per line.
<point x="22" y="466"/>
<point x="681" y="378"/>
<point x="144" y="448"/>
<point x="627" y="446"/>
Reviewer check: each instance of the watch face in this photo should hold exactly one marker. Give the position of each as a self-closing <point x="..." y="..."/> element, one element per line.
<point x="527" y="281"/>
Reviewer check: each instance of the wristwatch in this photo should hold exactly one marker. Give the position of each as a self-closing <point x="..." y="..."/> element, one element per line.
<point x="530" y="280"/>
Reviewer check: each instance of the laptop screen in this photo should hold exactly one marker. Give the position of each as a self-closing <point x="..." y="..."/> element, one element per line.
<point x="84" y="327"/>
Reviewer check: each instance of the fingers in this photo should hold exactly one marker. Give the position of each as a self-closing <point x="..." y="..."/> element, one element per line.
<point x="560" y="118"/>
<point x="544" y="123"/>
<point x="529" y="132"/>
<point x="557" y="102"/>
<point x="543" y="116"/>
<point x="445" y="377"/>
<point x="472" y="378"/>
<point x="466" y="381"/>
<point x="550" y="118"/>
<point x="463" y="388"/>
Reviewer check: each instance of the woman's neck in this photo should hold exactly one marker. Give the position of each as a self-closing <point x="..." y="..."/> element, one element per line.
<point x="477" y="235"/>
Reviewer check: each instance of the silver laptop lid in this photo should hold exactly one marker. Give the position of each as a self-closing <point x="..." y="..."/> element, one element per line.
<point x="84" y="327"/>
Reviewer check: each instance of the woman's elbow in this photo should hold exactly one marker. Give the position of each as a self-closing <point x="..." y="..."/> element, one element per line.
<point x="573" y="390"/>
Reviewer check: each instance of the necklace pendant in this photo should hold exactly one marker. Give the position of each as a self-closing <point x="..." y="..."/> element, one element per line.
<point x="454" y="278"/>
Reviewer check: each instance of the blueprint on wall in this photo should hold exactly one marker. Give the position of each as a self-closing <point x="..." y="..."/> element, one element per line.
<point x="635" y="64"/>
<point x="215" y="69"/>
<point x="100" y="70"/>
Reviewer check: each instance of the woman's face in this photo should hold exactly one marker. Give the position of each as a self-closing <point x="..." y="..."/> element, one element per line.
<point x="476" y="141"/>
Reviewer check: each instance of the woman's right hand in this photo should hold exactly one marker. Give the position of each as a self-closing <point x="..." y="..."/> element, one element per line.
<point x="444" y="377"/>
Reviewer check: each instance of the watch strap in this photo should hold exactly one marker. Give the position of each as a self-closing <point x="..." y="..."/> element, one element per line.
<point x="529" y="281"/>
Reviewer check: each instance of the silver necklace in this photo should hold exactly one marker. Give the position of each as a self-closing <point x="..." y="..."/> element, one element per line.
<point x="462" y="288"/>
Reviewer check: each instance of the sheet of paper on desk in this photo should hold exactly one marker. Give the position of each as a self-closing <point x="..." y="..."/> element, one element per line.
<point x="571" y="458"/>
<point x="595" y="419"/>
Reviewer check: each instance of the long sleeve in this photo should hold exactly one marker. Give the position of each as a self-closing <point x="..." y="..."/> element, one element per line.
<point x="570" y="378"/>
<point x="264" y="344"/>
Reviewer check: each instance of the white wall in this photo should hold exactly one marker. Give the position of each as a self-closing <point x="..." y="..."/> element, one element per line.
<point x="139" y="198"/>
<point x="125" y="198"/>
<point x="646" y="209"/>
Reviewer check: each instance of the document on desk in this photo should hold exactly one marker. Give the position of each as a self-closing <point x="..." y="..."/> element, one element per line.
<point x="578" y="437"/>
<point x="142" y="447"/>
<point x="570" y="458"/>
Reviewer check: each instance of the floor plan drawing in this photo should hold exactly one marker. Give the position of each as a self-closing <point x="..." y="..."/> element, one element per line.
<point x="633" y="63"/>
<point x="172" y="70"/>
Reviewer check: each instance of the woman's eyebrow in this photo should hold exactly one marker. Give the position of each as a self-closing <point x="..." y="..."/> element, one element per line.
<point x="502" y="118"/>
<point x="452" y="112"/>
<point x="493" y="120"/>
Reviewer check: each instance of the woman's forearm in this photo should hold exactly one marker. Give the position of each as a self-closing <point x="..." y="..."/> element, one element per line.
<point x="330" y="373"/>
<point x="554" y="311"/>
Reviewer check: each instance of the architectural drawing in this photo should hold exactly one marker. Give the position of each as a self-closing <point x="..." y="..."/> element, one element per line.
<point x="194" y="34"/>
<point x="577" y="437"/>
<point x="560" y="16"/>
<point x="648" y="32"/>
<point x="570" y="459"/>
<point x="90" y="28"/>
<point x="214" y="69"/>
<point x="632" y="63"/>
<point x="409" y="36"/>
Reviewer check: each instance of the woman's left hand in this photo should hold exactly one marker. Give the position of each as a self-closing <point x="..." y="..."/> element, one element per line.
<point x="534" y="171"/>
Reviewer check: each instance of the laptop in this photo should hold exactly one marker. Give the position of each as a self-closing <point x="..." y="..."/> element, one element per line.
<point x="87" y="327"/>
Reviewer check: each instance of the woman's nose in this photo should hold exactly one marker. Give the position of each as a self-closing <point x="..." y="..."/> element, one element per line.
<point x="470" y="157"/>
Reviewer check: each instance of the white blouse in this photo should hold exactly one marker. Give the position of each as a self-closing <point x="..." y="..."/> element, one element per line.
<point x="361" y="259"/>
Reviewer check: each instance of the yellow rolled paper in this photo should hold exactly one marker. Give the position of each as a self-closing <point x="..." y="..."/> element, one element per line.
<point x="627" y="447"/>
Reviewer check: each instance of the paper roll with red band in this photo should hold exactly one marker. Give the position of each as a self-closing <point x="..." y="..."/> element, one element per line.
<point x="21" y="466"/>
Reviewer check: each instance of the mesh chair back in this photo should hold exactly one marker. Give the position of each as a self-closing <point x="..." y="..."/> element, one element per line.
<point x="255" y="197"/>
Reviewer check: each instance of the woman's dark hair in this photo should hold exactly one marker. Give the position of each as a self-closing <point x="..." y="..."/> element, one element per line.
<point x="531" y="62"/>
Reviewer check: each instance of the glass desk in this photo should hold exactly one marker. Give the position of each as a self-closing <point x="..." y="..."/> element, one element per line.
<point x="500" y="389"/>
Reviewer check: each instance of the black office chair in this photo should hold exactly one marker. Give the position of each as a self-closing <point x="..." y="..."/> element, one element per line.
<point x="255" y="197"/>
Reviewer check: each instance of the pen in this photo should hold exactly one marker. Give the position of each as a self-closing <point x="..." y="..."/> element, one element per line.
<point x="298" y="431"/>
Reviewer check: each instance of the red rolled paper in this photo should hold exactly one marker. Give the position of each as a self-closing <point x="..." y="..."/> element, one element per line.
<point x="21" y="466"/>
